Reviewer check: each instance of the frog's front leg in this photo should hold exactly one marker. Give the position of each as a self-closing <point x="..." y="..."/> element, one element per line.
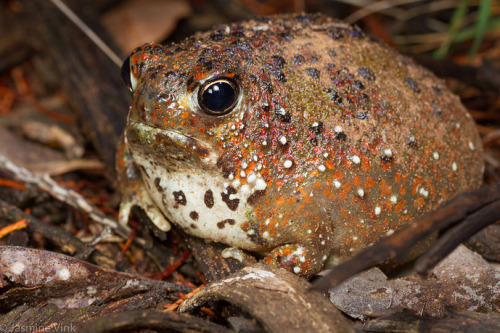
<point x="133" y="190"/>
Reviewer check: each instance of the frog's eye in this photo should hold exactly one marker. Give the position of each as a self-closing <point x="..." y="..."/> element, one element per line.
<point x="127" y="75"/>
<point x="219" y="96"/>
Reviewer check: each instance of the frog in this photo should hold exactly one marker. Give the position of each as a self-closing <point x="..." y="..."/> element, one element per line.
<point x="298" y="138"/>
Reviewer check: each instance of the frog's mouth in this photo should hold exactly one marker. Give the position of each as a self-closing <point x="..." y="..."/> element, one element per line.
<point x="156" y="141"/>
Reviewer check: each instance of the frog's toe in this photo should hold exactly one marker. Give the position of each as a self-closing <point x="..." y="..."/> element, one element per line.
<point x="296" y="258"/>
<point x="147" y="204"/>
<point x="238" y="254"/>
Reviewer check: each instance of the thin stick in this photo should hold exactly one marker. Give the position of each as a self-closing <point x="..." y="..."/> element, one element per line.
<point x="88" y="32"/>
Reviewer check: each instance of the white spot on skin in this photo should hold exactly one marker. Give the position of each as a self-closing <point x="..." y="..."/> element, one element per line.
<point x="309" y="231"/>
<point x="454" y="166"/>
<point x="338" y="129"/>
<point x="377" y="210"/>
<point x="361" y="193"/>
<point x="260" y="184"/>
<point x="325" y="155"/>
<point x="244" y="165"/>
<point x="457" y="125"/>
<point x="265" y="234"/>
<point x="282" y="140"/>
<point x="435" y="155"/>
<point x="390" y="232"/>
<point x="336" y="183"/>
<point x="243" y="174"/>
<point x="394" y="199"/>
<point x="321" y="168"/>
<point x="236" y="183"/>
<point x="17" y="268"/>
<point x="424" y="192"/>
<point x="231" y="176"/>
<point x="251" y="178"/>
<point x="64" y="274"/>
<point x="354" y="237"/>
<point x="296" y="270"/>
<point x="287" y="164"/>
<point x="471" y="145"/>
<point x="356" y="159"/>
<point x="388" y="152"/>
<point x="264" y="143"/>
<point x="267" y="222"/>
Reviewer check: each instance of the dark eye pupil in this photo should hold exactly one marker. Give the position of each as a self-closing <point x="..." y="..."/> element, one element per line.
<point x="218" y="97"/>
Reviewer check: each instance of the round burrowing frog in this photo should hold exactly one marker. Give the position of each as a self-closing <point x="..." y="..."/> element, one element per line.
<point x="297" y="138"/>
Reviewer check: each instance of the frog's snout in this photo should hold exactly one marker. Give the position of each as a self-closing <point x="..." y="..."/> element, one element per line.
<point x="168" y="143"/>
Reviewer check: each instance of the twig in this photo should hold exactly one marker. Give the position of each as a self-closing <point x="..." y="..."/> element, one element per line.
<point x="21" y="224"/>
<point x="68" y="242"/>
<point x="68" y="196"/>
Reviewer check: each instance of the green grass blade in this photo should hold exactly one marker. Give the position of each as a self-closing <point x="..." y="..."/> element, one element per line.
<point x="481" y="27"/>
<point x="455" y="24"/>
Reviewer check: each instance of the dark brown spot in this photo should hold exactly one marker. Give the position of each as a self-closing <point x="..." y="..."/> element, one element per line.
<point x="412" y="142"/>
<point x="209" y="198"/>
<point x="412" y="84"/>
<point x="367" y="74"/>
<point x="222" y="224"/>
<point x="312" y="72"/>
<point x="194" y="215"/>
<point x="317" y="127"/>
<point x="282" y="115"/>
<point x="335" y="97"/>
<point x="180" y="198"/>
<point x="255" y="195"/>
<point x="157" y="184"/>
<point x="386" y="158"/>
<point x="298" y="60"/>
<point x="278" y="61"/>
<point x="192" y="225"/>
<point x="341" y="136"/>
<point x="231" y="203"/>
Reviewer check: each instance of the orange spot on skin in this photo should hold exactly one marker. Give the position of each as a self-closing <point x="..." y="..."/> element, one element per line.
<point x="185" y="115"/>
<point x="356" y="181"/>
<point x="291" y="201"/>
<point x="419" y="203"/>
<point x="200" y="76"/>
<point x="299" y="179"/>
<point x="399" y="206"/>
<point x="416" y="182"/>
<point x="385" y="189"/>
<point x="338" y="175"/>
<point x="365" y="164"/>
<point x="397" y="177"/>
<point x="279" y="183"/>
<point x="317" y="184"/>
<point x="314" y="173"/>
<point x="144" y="56"/>
<point x="369" y="182"/>
<point x="329" y="164"/>
<point x="402" y="190"/>
<point x="302" y="206"/>
<point x="345" y="189"/>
